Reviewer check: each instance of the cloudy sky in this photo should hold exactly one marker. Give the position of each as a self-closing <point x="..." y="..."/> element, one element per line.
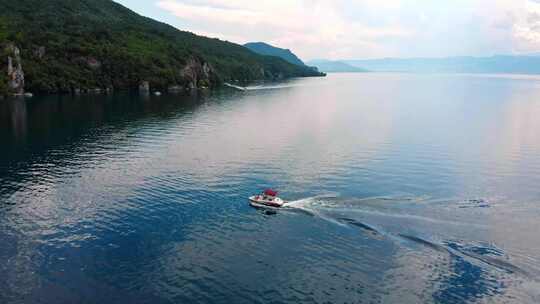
<point x="358" y="29"/>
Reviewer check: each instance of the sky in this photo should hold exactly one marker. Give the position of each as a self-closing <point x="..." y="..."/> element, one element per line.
<point x="361" y="29"/>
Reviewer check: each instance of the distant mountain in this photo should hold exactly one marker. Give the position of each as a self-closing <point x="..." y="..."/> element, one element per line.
<point x="95" y="45"/>
<point x="270" y="50"/>
<point x="329" y="66"/>
<point x="529" y="64"/>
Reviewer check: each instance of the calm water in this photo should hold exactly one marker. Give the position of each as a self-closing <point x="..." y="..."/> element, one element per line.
<point x="404" y="189"/>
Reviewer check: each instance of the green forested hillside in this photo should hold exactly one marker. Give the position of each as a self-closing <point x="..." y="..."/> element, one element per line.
<point x="84" y="44"/>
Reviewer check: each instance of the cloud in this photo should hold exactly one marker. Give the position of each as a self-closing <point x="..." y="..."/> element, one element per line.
<point x="368" y="28"/>
<point x="526" y="28"/>
<point x="305" y="26"/>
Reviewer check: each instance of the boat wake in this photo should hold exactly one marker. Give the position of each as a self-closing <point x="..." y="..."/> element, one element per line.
<point x="270" y="87"/>
<point x="418" y="221"/>
<point x="261" y="87"/>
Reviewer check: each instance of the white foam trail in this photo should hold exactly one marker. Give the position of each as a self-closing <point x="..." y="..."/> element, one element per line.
<point x="269" y="87"/>
<point x="299" y="203"/>
<point x="230" y="85"/>
<point x="259" y="87"/>
<point x="307" y="204"/>
<point x="317" y="200"/>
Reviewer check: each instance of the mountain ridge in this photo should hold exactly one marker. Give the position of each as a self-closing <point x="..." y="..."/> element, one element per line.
<point x="512" y="64"/>
<point x="266" y="49"/>
<point x="335" y="66"/>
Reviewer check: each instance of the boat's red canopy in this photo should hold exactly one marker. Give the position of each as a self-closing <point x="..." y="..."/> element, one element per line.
<point x="270" y="192"/>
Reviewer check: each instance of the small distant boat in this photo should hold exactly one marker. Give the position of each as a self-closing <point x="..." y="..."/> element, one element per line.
<point x="268" y="198"/>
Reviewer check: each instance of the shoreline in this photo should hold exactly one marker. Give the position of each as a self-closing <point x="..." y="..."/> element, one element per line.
<point x="171" y="90"/>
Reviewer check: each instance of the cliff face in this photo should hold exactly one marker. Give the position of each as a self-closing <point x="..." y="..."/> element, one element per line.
<point x="15" y="72"/>
<point x="198" y="74"/>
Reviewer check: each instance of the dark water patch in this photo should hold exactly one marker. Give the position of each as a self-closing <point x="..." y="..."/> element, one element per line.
<point x="486" y="254"/>
<point x="467" y="282"/>
<point x="483" y="254"/>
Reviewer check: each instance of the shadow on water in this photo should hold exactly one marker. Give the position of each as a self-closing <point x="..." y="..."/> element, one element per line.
<point x="51" y="121"/>
<point x="46" y="131"/>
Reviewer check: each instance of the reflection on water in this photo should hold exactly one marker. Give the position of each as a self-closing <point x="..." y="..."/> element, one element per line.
<point x="403" y="188"/>
<point x="14" y="118"/>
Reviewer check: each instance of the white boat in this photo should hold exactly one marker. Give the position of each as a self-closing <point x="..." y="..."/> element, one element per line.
<point x="267" y="199"/>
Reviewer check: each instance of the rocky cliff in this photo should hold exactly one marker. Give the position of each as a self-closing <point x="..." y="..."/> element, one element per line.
<point x="198" y="74"/>
<point x="12" y="71"/>
<point x="15" y="71"/>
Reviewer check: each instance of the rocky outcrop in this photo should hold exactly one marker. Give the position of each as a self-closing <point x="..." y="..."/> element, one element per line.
<point x="198" y="74"/>
<point x="15" y="72"/>
<point x="144" y="87"/>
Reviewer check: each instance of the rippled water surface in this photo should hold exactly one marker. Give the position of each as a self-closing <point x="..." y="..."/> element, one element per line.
<point x="403" y="189"/>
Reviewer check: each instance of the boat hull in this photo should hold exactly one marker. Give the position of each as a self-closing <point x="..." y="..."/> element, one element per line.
<point x="261" y="203"/>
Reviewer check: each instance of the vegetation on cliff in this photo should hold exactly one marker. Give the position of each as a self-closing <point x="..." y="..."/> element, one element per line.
<point x="3" y="56"/>
<point x="67" y="45"/>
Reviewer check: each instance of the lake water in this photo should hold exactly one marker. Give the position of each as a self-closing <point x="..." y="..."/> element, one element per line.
<point x="404" y="189"/>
